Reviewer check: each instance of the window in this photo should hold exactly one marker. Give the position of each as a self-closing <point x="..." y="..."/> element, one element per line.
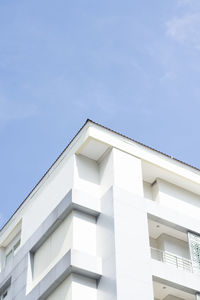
<point x="194" y="243"/>
<point x="11" y="253"/>
<point x="4" y="295"/>
<point x="8" y="257"/>
<point x="9" y="246"/>
<point x="16" y="245"/>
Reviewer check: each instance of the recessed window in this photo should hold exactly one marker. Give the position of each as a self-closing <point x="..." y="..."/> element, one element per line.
<point x="16" y="245"/>
<point x="4" y="295"/>
<point x="10" y="246"/>
<point x="11" y="253"/>
<point x="9" y="257"/>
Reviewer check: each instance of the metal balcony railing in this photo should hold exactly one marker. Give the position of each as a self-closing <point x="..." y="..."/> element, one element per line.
<point x="172" y="259"/>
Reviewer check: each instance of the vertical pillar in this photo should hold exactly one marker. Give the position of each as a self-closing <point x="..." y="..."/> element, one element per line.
<point x="2" y="258"/>
<point x="133" y="275"/>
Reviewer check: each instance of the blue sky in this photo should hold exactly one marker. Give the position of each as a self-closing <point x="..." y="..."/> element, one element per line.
<point x="133" y="66"/>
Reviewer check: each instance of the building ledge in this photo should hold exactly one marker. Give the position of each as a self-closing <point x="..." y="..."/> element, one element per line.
<point x="169" y="274"/>
<point x="73" y="261"/>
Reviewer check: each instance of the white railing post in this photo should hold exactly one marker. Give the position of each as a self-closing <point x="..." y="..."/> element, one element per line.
<point x="197" y="296"/>
<point x="178" y="261"/>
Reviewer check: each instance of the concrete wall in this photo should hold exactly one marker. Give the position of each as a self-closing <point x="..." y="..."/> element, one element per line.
<point x="75" y="287"/>
<point x="63" y="291"/>
<point x="170" y="275"/>
<point x="172" y="196"/>
<point x="77" y="231"/>
<point x="173" y="245"/>
<point x="147" y="187"/>
<point x="107" y="289"/>
<point x="170" y="297"/>
<point x="84" y="233"/>
<point x="9" y="243"/>
<point x="118" y="233"/>
<point x="153" y="243"/>
<point x="86" y="175"/>
<point x="51" y="251"/>
<point x="52" y="262"/>
<point x="121" y="169"/>
<point x="47" y="198"/>
<point x="123" y="173"/>
<point x="83" y="288"/>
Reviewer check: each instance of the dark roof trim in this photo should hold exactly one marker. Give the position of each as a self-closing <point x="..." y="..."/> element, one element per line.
<point x="44" y="175"/>
<point x="182" y="162"/>
<point x="122" y="135"/>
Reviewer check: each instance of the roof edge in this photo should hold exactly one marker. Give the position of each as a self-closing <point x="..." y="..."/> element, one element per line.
<point x="48" y="170"/>
<point x="151" y="148"/>
<point x="68" y="145"/>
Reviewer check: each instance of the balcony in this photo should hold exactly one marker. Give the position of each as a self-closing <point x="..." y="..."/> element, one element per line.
<point x="174" y="260"/>
<point x="170" y="246"/>
<point x="163" y="291"/>
<point x="175" y="274"/>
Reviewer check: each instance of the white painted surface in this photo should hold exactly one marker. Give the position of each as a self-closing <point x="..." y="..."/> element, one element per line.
<point x="85" y="199"/>
<point x="153" y="163"/>
<point x="175" y="168"/>
<point x="162" y="293"/>
<point x="121" y="169"/>
<point x="53" y="249"/>
<point x="93" y="149"/>
<point x="147" y="187"/>
<point x="2" y="258"/>
<point x="178" y="277"/>
<point x="83" y="288"/>
<point x="75" y="287"/>
<point x="132" y="247"/>
<point x="171" y="297"/>
<point x="86" y="175"/>
<point x="77" y="231"/>
<point x="173" y="245"/>
<point x="106" y="173"/>
<point x="177" y="218"/>
<point x="84" y="233"/>
<point x="159" y="227"/>
<point x="179" y="199"/>
<point x="87" y="262"/>
<point x="120" y="235"/>
<point x="127" y="172"/>
<point x="47" y="198"/>
<point x="63" y="291"/>
<point x="106" y="249"/>
<point x="124" y="173"/>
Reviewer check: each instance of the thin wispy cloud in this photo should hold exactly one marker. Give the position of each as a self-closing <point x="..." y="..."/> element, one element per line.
<point x="122" y="64"/>
<point x="185" y="30"/>
<point x="191" y="4"/>
<point x="168" y="76"/>
<point x="184" y="2"/>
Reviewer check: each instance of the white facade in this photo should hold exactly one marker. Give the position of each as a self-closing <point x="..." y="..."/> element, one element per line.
<point x="111" y="220"/>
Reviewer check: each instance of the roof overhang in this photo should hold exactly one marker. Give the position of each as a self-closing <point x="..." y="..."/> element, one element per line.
<point x="93" y="140"/>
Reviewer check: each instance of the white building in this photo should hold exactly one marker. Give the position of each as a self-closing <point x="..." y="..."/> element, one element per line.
<point x="111" y="219"/>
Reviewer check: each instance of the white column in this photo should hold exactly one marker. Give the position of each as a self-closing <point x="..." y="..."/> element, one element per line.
<point x="127" y="172"/>
<point x="131" y="240"/>
<point x="2" y="258"/>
